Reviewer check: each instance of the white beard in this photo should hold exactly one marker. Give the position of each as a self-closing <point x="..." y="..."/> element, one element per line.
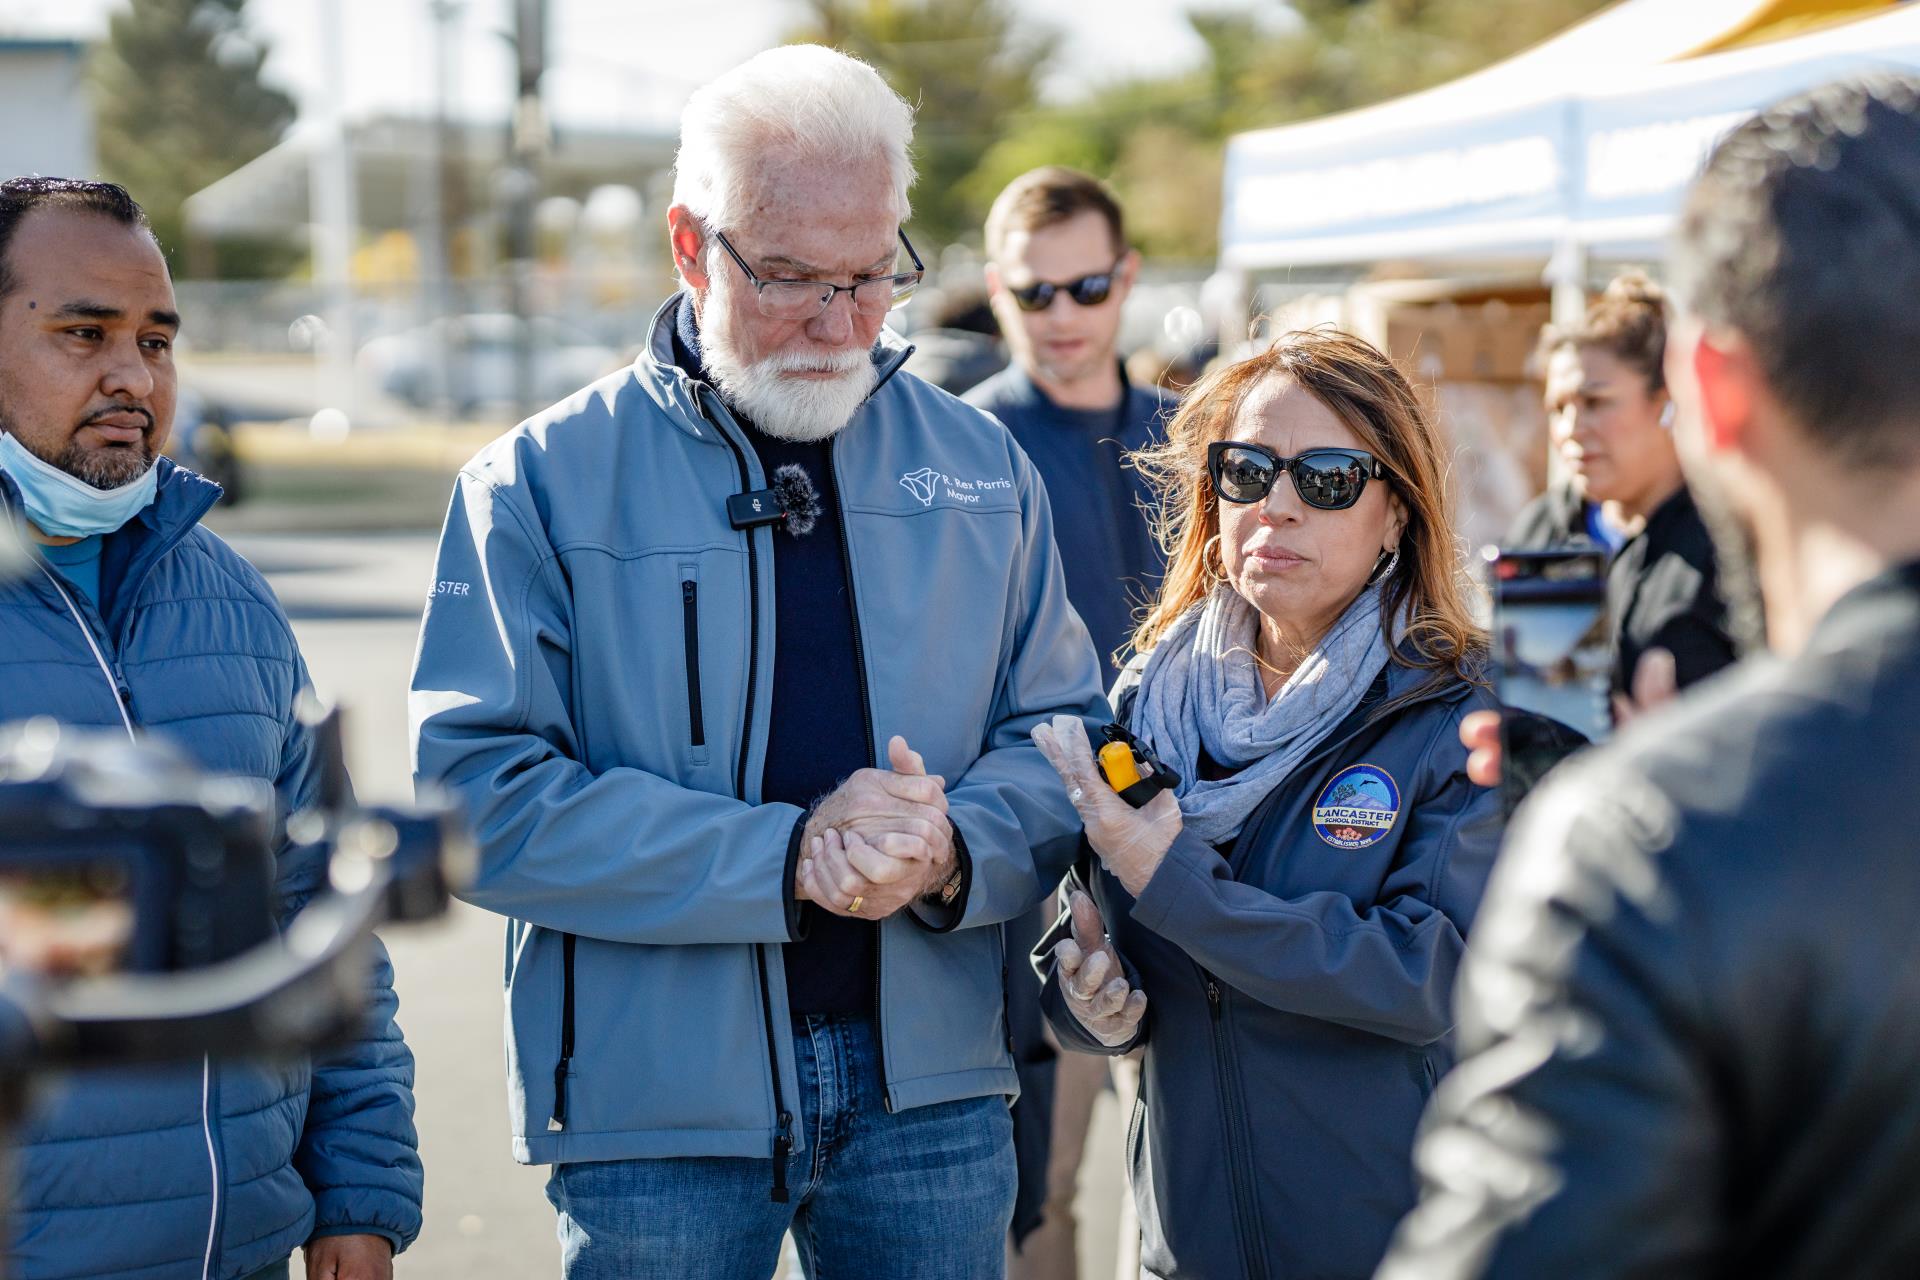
<point x="800" y="409"/>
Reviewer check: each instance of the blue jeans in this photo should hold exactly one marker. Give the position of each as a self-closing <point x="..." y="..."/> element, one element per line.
<point x="924" y="1194"/>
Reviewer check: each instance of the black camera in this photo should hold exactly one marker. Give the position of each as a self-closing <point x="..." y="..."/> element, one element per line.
<point x="91" y="823"/>
<point x="138" y="906"/>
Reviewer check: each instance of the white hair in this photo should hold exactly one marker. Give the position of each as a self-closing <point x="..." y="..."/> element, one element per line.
<point x="799" y="102"/>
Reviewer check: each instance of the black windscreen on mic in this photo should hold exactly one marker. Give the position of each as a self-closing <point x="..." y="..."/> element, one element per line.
<point x="793" y="489"/>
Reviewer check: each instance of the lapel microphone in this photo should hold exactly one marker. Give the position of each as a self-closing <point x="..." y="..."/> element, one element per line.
<point x="793" y="501"/>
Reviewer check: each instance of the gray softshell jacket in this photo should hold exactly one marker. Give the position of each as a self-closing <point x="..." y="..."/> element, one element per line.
<point x="593" y="681"/>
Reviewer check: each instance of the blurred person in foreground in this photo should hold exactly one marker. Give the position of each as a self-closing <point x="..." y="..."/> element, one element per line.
<point x="1688" y="1021"/>
<point x="1612" y="422"/>
<point x="689" y="621"/>
<point x="1285" y="928"/>
<point x="136" y="619"/>
<point x="1058" y="274"/>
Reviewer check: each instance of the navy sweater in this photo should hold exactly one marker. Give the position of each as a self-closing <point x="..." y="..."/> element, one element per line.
<point x="817" y="732"/>
<point x="1107" y="550"/>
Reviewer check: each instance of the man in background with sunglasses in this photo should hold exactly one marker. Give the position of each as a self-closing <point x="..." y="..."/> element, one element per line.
<point x="687" y="624"/>
<point x="1058" y="274"/>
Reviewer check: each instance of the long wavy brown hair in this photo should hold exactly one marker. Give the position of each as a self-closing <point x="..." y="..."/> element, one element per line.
<point x="1354" y="379"/>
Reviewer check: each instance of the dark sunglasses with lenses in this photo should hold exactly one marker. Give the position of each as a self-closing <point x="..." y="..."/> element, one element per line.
<point x="1328" y="479"/>
<point x="1088" y="291"/>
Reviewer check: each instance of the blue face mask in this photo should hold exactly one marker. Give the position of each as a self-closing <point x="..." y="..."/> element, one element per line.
<point x="64" y="506"/>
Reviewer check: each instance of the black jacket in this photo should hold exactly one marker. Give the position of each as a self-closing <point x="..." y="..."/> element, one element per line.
<point x="1688" y="1023"/>
<point x="1299" y="989"/>
<point x="1555" y="518"/>
<point x="1663" y="592"/>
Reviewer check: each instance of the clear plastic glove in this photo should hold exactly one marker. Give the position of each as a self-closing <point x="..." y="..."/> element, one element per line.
<point x="1093" y="980"/>
<point x="1130" y="842"/>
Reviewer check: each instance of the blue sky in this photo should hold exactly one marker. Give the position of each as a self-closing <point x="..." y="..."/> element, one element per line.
<point x="628" y="62"/>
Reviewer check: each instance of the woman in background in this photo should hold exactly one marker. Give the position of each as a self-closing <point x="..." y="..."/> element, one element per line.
<point x="1611" y="422"/>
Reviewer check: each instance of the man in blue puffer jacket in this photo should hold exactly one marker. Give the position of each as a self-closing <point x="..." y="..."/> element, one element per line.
<point x="136" y="619"/>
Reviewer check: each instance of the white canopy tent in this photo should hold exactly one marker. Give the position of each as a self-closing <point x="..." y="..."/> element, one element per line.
<point x="1575" y="152"/>
<point x="1587" y="140"/>
<point x="1645" y="136"/>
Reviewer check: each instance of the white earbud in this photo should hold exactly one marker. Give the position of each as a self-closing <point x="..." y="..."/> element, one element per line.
<point x="1666" y="415"/>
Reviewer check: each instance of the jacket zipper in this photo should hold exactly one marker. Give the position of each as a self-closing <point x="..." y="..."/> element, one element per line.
<point x="690" y="621"/>
<point x="1227" y="1076"/>
<point x="866" y="720"/>
<point x="207" y="1093"/>
<point x="783" y="1137"/>
<point x="558" y="1121"/>
<point x="122" y="692"/>
<point x="753" y="616"/>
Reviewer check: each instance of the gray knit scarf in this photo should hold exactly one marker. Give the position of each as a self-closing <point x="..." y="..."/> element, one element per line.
<point x="1201" y="688"/>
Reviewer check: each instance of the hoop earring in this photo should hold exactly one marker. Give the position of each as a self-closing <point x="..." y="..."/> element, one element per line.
<point x="1383" y="567"/>
<point x="1210" y="559"/>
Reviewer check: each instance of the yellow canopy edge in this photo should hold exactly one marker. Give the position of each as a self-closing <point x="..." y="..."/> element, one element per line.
<point x="1782" y="19"/>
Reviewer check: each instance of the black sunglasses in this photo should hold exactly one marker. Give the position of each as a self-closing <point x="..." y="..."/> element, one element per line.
<point x="1088" y="291"/>
<point x="1328" y="479"/>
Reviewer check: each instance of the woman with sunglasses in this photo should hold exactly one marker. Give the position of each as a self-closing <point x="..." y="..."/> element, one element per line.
<point x="1281" y="930"/>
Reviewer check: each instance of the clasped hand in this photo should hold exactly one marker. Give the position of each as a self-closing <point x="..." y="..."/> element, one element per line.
<point x="879" y="841"/>
<point x="1130" y="842"/>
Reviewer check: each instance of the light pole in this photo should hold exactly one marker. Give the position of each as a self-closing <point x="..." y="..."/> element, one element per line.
<point x="335" y="217"/>
<point x="530" y="141"/>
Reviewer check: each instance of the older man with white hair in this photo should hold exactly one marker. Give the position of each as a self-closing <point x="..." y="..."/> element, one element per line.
<point x="684" y="628"/>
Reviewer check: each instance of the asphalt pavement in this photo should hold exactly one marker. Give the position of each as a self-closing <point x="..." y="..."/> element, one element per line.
<point x="355" y="602"/>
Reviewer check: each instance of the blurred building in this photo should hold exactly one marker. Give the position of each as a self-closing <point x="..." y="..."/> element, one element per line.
<point x="414" y="176"/>
<point x="428" y="205"/>
<point x="43" y="99"/>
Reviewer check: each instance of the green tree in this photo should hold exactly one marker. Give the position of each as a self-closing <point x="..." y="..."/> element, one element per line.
<point x="967" y="66"/>
<point x="1160" y="140"/>
<point x="180" y="102"/>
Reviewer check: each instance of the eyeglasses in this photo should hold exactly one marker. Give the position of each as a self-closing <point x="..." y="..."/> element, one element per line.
<point x="1088" y="291"/>
<point x="805" y="299"/>
<point x="1328" y="479"/>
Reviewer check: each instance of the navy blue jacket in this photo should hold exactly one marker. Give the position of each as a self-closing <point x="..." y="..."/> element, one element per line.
<point x="1299" y="992"/>
<point x="209" y="1169"/>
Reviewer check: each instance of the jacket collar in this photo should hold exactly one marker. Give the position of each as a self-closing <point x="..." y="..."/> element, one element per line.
<point x="1026" y="391"/>
<point x="678" y="391"/>
<point x="1886" y="606"/>
<point x="181" y="497"/>
<point x="1677" y="509"/>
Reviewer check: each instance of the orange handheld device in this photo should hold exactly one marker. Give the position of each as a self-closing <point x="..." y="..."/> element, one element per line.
<point x="1116" y="761"/>
<point x="1131" y="769"/>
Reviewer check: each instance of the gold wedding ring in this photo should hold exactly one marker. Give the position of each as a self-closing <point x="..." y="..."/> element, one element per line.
<point x="858" y="902"/>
